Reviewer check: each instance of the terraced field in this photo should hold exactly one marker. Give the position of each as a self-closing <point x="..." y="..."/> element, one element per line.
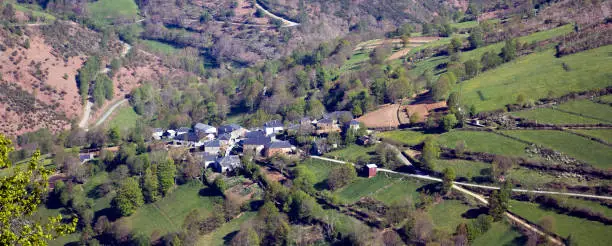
<point x="487" y="142"/>
<point x="552" y="116"/>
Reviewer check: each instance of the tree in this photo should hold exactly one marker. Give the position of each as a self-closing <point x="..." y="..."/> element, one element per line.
<point x="314" y="108"/>
<point x="475" y="38"/>
<point x="166" y="172"/>
<point x="114" y="135"/>
<point x="449" y="122"/>
<point x="490" y="60"/>
<point x="9" y="12"/>
<point x="20" y="196"/>
<point x="447" y="179"/>
<point x="150" y="186"/>
<point x="415" y="118"/>
<point x="304" y="179"/>
<point x="459" y="148"/>
<point x="129" y="197"/>
<point x="472" y="68"/>
<point x="498" y="201"/>
<point x="453" y="100"/>
<point x="501" y="165"/>
<point x="443" y="86"/>
<point x="342" y="175"/>
<point x="431" y="152"/>
<point x="509" y="50"/>
<point x="548" y="223"/>
<point x="219" y="185"/>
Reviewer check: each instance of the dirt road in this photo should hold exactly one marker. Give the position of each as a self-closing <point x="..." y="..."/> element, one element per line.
<point x="109" y="112"/>
<point x="286" y="23"/>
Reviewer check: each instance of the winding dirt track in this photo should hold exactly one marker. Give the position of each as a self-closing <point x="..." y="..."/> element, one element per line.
<point x="286" y="23"/>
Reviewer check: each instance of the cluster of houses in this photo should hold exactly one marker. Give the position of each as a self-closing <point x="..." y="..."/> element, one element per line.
<point x="213" y="146"/>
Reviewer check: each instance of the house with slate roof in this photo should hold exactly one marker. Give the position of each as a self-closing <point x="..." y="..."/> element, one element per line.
<point x="234" y="130"/>
<point x="255" y="144"/>
<point x="278" y="147"/>
<point x="203" y="128"/>
<point x="212" y="147"/>
<point x="227" y="163"/>
<point x="273" y="127"/>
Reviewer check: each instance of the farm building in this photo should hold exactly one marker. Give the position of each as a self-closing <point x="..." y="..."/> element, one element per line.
<point x="227" y="163"/>
<point x="278" y="147"/>
<point x="371" y="170"/>
<point x="273" y="127"/>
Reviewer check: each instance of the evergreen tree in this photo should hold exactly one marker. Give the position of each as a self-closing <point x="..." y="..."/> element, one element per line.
<point x="431" y="152"/>
<point x="150" y="185"/>
<point x="166" y="172"/>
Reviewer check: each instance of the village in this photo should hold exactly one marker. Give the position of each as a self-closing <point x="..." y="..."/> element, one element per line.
<point x="220" y="148"/>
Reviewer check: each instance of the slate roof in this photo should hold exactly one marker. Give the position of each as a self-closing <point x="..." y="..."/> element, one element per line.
<point x="274" y="123"/>
<point x="325" y="121"/>
<point x="279" y="145"/>
<point x="255" y="134"/>
<point x="158" y="130"/>
<point x="85" y="156"/>
<point x="206" y="156"/>
<point x="202" y="127"/>
<point x="228" y="128"/>
<point x="225" y="136"/>
<point x="213" y="144"/>
<point x="257" y="141"/>
<point x="190" y="136"/>
<point x="230" y="161"/>
<point x="183" y="129"/>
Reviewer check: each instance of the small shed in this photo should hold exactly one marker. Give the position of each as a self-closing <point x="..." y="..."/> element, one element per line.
<point x="371" y="170"/>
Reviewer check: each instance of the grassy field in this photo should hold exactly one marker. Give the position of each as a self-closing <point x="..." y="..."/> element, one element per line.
<point x="320" y="169"/>
<point x="538" y="75"/>
<point x="352" y="152"/>
<point x="464" y="25"/>
<point x="589" y="109"/>
<point x="534" y="37"/>
<point x="106" y="10"/>
<point x="447" y="215"/>
<point x="36" y="10"/>
<point x="592" y="152"/>
<point x="356" y="60"/>
<point x="401" y="190"/>
<point x="606" y="98"/>
<point x="483" y="142"/>
<point x="404" y="137"/>
<point x="585" y="232"/>
<point x="364" y="187"/>
<point x="430" y="63"/>
<point x="167" y="214"/>
<point x="603" y="134"/>
<point x="439" y="42"/>
<point x="221" y="236"/>
<point x="552" y="116"/>
<point x="463" y="168"/>
<point x="501" y="233"/>
<point x="160" y="47"/>
<point x="124" y="119"/>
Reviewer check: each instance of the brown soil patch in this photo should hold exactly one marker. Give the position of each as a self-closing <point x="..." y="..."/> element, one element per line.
<point x="422" y="109"/>
<point x="42" y="73"/>
<point x="273" y="175"/>
<point x="384" y="117"/>
<point x="399" y="54"/>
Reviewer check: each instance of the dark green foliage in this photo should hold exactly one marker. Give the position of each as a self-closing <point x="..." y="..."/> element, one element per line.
<point x="431" y="152"/>
<point x="509" y="51"/>
<point x="303" y="207"/>
<point x="129" y="197"/>
<point x="166" y="172"/>
<point x="87" y="74"/>
<point x="304" y="179"/>
<point x="220" y="185"/>
<point x="447" y="179"/>
<point x="490" y="60"/>
<point x="475" y="38"/>
<point x="150" y="185"/>
<point x="472" y="68"/>
<point x="498" y="201"/>
<point x="449" y="122"/>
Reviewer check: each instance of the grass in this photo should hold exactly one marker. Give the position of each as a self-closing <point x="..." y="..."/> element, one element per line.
<point x="464" y="25"/>
<point x="463" y="168"/>
<point x="364" y="187"/>
<point x="447" y="215"/>
<point x="606" y="98"/>
<point x="224" y="234"/>
<point x="483" y="142"/>
<point x="405" y="137"/>
<point x="585" y="232"/>
<point x="356" y="60"/>
<point x="352" y="152"/>
<point x="320" y="168"/>
<point x="107" y="10"/>
<point x="160" y="47"/>
<point x="431" y="63"/>
<point x="124" y="119"/>
<point x="589" y="109"/>
<point x="36" y="10"/>
<point x="439" y="42"/>
<point x="343" y="223"/>
<point x="603" y="134"/>
<point x="536" y="76"/>
<point x="534" y="37"/>
<point x="404" y="189"/>
<point x="501" y="233"/>
<point x="535" y="179"/>
<point x="592" y="152"/>
<point x="551" y="116"/>
<point x="167" y="214"/>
